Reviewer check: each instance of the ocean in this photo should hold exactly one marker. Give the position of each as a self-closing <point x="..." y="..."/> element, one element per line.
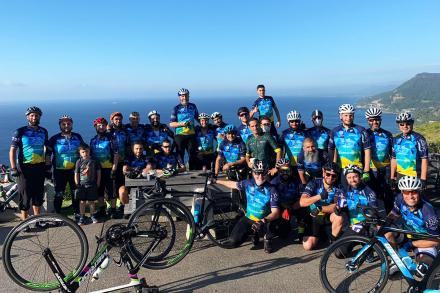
<point x="85" y="111"/>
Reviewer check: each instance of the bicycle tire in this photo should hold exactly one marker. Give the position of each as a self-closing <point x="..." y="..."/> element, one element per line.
<point x="433" y="279"/>
<point x="156" y="217"/>
<point x="349" y="282"/>
<point x="22" y="251"/>
<point x="223" y="214"/>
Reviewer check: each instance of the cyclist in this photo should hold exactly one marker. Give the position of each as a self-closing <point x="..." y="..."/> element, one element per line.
<point x="167" y="162"/>
<point x="134" y="129"/>
<point x="293" y="137"/>
<point x="155" y="133"/>
<point x="410" y="152"/>
<point x="205" y="136"/>
<point x="381" y="145"/>
<point x="219" y="126"/>
<point x="260" y="146"/>
<point x="349" y="144"/>
<point x="321" y="196"/>
<point x="265" y="106"/>
<point x="318" y="132"/>
<point x="310" y="161"/>
<point x="103" y="148"/>
<point x="243" y="130"/>
<point x="64" y="148"/>
<point x="30" y="143"/>
<point x="182" y="119"/>
<point x="265" y="126"/>
<point x="231" y="154"/>
<point x="419" y="216"/>
<point x="262" y="210"/>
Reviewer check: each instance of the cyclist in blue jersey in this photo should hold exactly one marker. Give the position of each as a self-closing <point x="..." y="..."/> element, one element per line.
<point x="262" y="210"/>
<point x="103" y="148"/>
<point x="231" y="155"/>
<point x="243" y="130"/>
<point x="155" y="133"/>
<point x="64" y="148"/>
<point x="321" y="196"/>
<point x="134" y="129"/>
<point x="168" y="163"/>
<point x="293" y="138"/>
<point x="410" y="152"/>
<point x="318" y="132"/>
<point x="310" y="161"/>
<point x="349" y="144"/>
<point x="28" y="162"/>
<point x="182" y="119"/>
<point x="381" y="145"/>
<point x="205" y="136"/>
<point x="419" y="216"/>
<point x="265" y="106"/>
<point x="219" y="125"/>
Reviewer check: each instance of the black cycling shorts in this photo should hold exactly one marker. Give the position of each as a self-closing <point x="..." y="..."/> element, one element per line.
<point x="89" y="193"/>
<point x="107" y="185"/>
<point x="62" y="177"/>
<point x="120" y="178"/>
<point x="31" y="185"/>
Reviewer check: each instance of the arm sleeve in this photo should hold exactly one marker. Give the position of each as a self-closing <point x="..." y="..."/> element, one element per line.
<point x="432" y="224"/>
<point x="241" y="185"/>
<point x="300" y="161"/>
<point x="422" y="148"/>
<point x="366" y="141"/>
<point x="242" y="149"/>
<point x="274" y="198"/>
<point x="397" y="204"/>
<point x="393" y="153"/>
<point x="309" y="190"/>
<point x="273" y="143"/>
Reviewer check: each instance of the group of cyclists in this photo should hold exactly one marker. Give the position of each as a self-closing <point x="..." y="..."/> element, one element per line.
<point x="311" y="178"/>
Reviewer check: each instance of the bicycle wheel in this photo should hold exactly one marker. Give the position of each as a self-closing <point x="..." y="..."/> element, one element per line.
<point x="24" y="246"/>
<point x="433" y="279"/>
<point x="339" y="274"/>
<point x="165" y="230"/>
<point x="219" y="219"/>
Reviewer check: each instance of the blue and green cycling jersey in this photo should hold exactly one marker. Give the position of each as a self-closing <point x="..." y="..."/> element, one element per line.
<point x="65" y="150"/>
<point x="316" y="186"/>
<point x="265" y="107"/>
<point x="30" y="143"/>
<point x="156" y="137"/>
<point x="138" y="163"/>
<point x="350" y="144"/>
<point x="103" y="148"/>
<point x="171" y="160"/>
<point x="121" y="139"/>
<point x="408" y="152"/>
<point x="135" y="134"/>
<point x="232" y="151"/>
<point x="260" y="199"/>
<point x="293" y="142"/>
<point x="353" y="197"/>
<point x="423" y="219"/>
<point x="244" y="132"/>
<point x="381" y="145"/>
<point x="187" y="113"/>
<point x="205" y="141"/>
<point x="288" y="191"/>
<point x="320" y="135"/>
<point x="219" y="132"/>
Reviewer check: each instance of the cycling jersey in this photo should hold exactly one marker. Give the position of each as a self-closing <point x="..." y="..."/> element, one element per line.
<point x="138" y="163"/>
<point x="311" y="163"/>
<point x="135" y="134"/>
<point x="265" y="107"/>
<point x="293" y="142"/>
<point x="350" y="144"/>
<point x="156" y="137"/>
<point x="168" y="161"/>
<point x="262" y="148"/>
<point x="30" y="142"/>
<point x="260" y="199"/>
<point x="121" y="139"/>
<point x="187" y="113"/>
<point x="205" y="141"/>
<point x="316" y="186"/>
<point x="244" y="132"/>
<point x="423" y="220"/>
<point x="65" y="150"/>
<point x="218" y="131"/>
<point x="288" y="192"/>
<point x="320" y="135"/>
<point x="232" y="151"/>
<point x="381" y="144"/>
<point x="362" y="195"/>
<point x="408" y="152"/>
<point x="103" y="148"/>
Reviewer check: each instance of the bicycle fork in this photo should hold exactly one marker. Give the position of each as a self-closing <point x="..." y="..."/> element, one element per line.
<point x="47" y="254"/>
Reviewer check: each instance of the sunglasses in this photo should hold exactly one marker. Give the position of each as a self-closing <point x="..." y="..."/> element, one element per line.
<point x="405" y="124"/>
<point x="374" y="119"/>
<point x="266" y="124"/>
<point x="243" y="114"/>
<point x="294" y="121"/>
<point x="328" y="174"/>
<point x="260" y="173"/>
<point x="166" y="146"/>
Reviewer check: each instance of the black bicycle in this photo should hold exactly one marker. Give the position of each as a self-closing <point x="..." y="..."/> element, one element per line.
<point x="8" y="189"/>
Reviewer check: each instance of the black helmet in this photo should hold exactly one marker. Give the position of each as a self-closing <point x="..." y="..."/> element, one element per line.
<point x="34" y="109"/>
<point x="259" y="166"/>
<point x="316" y="113"/>
<point x="242" y="109"/>
<point x="331" y="166"/>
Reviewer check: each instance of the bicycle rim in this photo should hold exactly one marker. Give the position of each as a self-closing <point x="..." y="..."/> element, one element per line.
<point x="338" y="275"/>
<point x="23" y="251"/>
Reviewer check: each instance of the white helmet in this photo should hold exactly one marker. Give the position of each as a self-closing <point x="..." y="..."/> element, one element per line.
<point x="203" y="116"/>
<point x="215" y="115"/>
<point x="373" y="112"/>
<point x="293" y="115"/>
<point x="183" y="91"/>
<point x="404" y="117"/>
<point x="154" y="112"/>
<point x="409" y="183"/>
<point x="346" y="109"/>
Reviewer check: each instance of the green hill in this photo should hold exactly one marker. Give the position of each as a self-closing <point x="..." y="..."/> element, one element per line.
<point x="420" y="95"/>
<point x="431" y="131"/>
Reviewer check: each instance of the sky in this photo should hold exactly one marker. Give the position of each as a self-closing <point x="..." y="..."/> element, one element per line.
<point x="126" y="49"/>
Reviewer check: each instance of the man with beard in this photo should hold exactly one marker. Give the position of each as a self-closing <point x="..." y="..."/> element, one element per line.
<point x="292" y="138"/>
<point x="205" y="136"/>
<point x="219" y="125"/>
<point x="231" y="154"/>
<point x="64" y="148"/>
<point x="30" y="142"/>
<point x="318" y="132"/>
<point x="243" y="130"/>
<point x="156" y="133"/>
<point x="134" y="129"/>
<point x="310" y="161"/>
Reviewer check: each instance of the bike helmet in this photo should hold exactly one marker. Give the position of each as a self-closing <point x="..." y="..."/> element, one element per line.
<point x="114" y="114"/>
<point x="404" y="117"/>
<point x="65" y="117"/>
<point x="331" y="166"/>
<point x="216" y="115"/>
<point x="203" y="116"/>
<point x="352" y="169"/>
<point x="153" y="112"/>
<point x="230" y="129"/>
<point x="346" y="109"/>
<point x="293" y="115"/>
<point x="183" y="91"/>
<point x="373" y="112"/>
<point x="258" y="166"/>
<point x="99" y="120"/>
<point x="409" y="183"/>
<point x="282" y="163"/>
<point x="33" y="109"/>
<point x="242" y="110"/>
<point x="316" y="114"/>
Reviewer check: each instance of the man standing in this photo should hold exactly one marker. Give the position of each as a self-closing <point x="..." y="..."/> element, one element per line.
<point x="243" y="130"/>
<point x="265" y="106"/>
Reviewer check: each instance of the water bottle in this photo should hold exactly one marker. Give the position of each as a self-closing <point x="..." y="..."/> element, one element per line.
<point x="407" y="260"/>
<point x="11" y="190"/>
<point x="104" y="264"/>
<point x="196" y="210"/>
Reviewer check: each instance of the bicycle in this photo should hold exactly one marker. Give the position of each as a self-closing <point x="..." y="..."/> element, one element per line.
<point x="367" y="259"/>
<point x="8" y="193"/>
<point x="49" y="252"/>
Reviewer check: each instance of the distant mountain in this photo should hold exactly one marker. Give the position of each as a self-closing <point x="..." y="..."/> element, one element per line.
<point x="420" y="95"/>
